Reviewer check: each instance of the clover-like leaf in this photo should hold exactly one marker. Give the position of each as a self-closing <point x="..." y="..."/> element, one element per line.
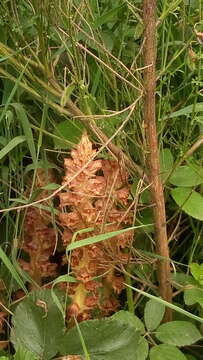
<point x="38" y="325"/>
<point x="108" y="339"/>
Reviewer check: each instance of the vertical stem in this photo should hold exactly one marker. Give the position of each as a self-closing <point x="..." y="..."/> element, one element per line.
<point x="163" y="269"/>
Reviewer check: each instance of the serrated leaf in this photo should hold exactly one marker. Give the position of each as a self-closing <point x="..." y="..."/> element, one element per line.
<point x="166" y="352"/>
<point x="108" y="339"/>
<point x="179" y="333"/>
<point x="187" y="176"/>
<point x="131" y="319"/>
<point x="153" y="314"/>
<point x="190" y="201"/>
<point x="38" y="325"/>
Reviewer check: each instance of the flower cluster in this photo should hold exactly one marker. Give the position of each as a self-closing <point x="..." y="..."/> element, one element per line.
<point x="96" y="197"/>
<point x="39" y="239"/>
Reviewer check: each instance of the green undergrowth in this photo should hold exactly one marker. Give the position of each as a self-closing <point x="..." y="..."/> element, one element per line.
<point x="55" y="55"/>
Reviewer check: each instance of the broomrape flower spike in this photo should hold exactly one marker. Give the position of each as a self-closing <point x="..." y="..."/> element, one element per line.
<point x="93" y="203"/>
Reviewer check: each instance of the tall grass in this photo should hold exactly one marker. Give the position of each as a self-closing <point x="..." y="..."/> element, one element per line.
<point x="66" y="66"/>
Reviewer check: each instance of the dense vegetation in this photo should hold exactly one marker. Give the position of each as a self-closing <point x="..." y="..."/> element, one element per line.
<point x="79" y="272"/>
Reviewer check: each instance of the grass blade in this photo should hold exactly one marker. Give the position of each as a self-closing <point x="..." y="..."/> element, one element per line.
<point x="11" y="145"/>
<point x="23" y="119"/>
<point x="12" y="270"/>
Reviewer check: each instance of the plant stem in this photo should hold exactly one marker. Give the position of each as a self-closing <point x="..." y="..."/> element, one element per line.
<point x="163" y="269"/>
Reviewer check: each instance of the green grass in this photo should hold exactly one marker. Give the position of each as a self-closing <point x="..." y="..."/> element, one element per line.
<point x="90" y="53"/>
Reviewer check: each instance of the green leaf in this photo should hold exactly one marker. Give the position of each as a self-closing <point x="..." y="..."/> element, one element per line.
<point x="179" y="333"/>
<point x="187" y="110"/>
<point x="23" y="119"/>
<point x="51" y="186"/>
<point x="193" y="296"/>
<point x="12" y="270"/>
<point x="166" y="163"/>
<point x="153" y="314"/>
<point x="166" y="352"/>
<point x="38" y="325"/>
<point x="24" y="354"/>
<point x="166" y="303"/>
<point x="187" y="176"/>
<point x="190" y="357"/>
<point x="60" y="279"/>
<point x="11" y="145"/>
<point x="67" y="93"/>
<point x="69" y="133"/>
<point x="131" y="319"/>
<point x="142" y="350"/>
<point x="108" y="339"/>
<point x="98" y="238"/>
<point x="190" y="201"/>
<point x="107" y="17"/>
<point x="197" y="272"/>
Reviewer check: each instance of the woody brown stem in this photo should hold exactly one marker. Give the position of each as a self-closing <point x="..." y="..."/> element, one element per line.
<point x="163" y="269"/>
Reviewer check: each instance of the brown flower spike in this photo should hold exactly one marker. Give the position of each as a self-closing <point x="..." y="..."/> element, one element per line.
<point x="96" y="198"/>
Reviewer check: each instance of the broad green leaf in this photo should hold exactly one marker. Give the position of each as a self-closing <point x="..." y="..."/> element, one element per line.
<point x="166" y="163"/>
<point x="24" y="354"/>
<point x="183" y="279"/>
<point x="131" y="319"/>
<point x="108" y="339"/>
<point x="69" y="133"/>
<point x="166" y="352"/>
<point x="109" y="40"/>
<point x="197" y="272"/>
<point x="187" y="176"/>
<point x="153" y="314"/>
<point x="193" y="296"/>
<point x="23" y="119"/>
<point x="142" y="350"/>
<point x="190" y="201"/>
<point x="11" y="145"/>
<point x="38" y="325"/>
<point x="179" y="333"/>
<point x="108" y="16"/>
<point x="187" y="110"/>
